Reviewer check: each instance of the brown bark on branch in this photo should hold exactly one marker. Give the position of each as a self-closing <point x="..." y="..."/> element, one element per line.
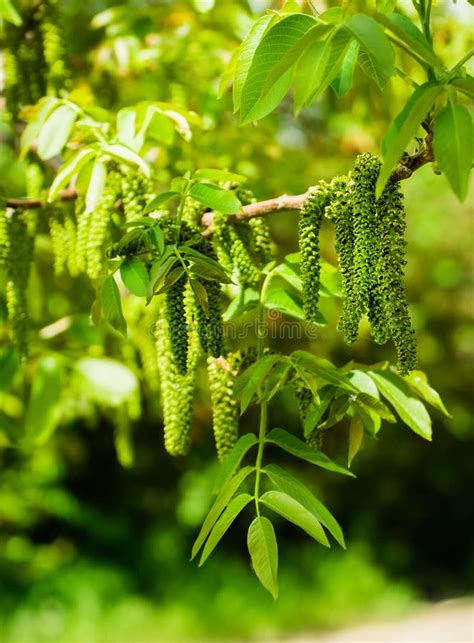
<point x="284" y="203"/>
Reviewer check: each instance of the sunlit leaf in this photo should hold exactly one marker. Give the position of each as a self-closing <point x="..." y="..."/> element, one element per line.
<point x="263" y="549"/>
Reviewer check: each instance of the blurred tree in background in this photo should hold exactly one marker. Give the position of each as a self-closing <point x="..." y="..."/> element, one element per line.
<point x="92" y="551"/>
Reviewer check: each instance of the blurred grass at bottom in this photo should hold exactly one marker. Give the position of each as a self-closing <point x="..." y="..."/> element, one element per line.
<point x="90" y="601"/>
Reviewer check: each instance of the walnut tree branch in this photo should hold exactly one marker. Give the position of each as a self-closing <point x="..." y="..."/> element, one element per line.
<point x="288" y="203"/>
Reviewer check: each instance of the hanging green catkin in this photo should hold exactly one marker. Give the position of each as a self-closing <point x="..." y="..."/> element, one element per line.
<point x="340" y="211"/>
<point x="136" y="192"/>
<point x="98" y="224"/>
<point x="177" y="324"/>
<point x="232" y="246"/>
<point x="20" y="255"/>
<point x="390" y="275"/>
<point x="309" y="227"/>
<point x="57" y="235"/>
<point x="52" y="30"/>
<point x="177" y="390"/>
<point x="365" y="230"/>
<point x="225" y="410"/>
<point x="263" y="247"/>
<point x="4" y="238"/>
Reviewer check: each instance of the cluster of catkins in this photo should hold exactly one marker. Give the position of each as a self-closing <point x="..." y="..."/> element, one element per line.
<point x="371" y="248"/>
<point x="245" y="247"/>
<point x="33" y="56"/>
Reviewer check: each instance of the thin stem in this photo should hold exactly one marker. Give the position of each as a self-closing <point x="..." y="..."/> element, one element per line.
<point x="459" y="64"/>
<point x="406" y="77"/>
<point x="179" y="214"/>
<point x="402" y="45"/>
<point x="263" y="403"/>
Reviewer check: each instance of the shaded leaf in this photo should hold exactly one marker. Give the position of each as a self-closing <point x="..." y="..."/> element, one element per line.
<point x="111" y="305"/>
<point x="356" y="436"/>
<point x="43" y="411"/>
<point x="299" y="449"/>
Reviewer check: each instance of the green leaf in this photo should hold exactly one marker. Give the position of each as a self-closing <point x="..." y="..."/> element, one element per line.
<point x="135" y="276"/>
<point x="171" y="278"/>
<point x="215" y="198"/>
<point x="161" y="199"/>
<point x="263" y="549"/>
<point x="297" y="490"/>
<point x="418" y="381"/>
<point x="234" y="458"/>
<point x="365" y="384"/>
<point x="9" y="363"/>
<point x="111" y="305"/>
<point x="296" y="513"/>
<point x="337" y="411"/>
<point x="299" y="449"/>
<point x="126" y="126"/>
<point x="274" y="45"/>
<point x="107" y="381"/>
<point x="319" y="66"/>
<point x="312" y="35"/>
<point x="410" y="409"/>
<point x="200" y="294"/>
<point x="246" y="301"/>
<point x="210" y="174"/>
<point x="223" y="524"/>
<point x="55" y="132"/>
<point x="96" y="185"/>
<point x="464" y="85"/>
<point x="223" y="498"/>
<point x="343" y="81"/>
<point x="385" y="6"/>
<point x="128" y="156"/>
<point x="209" y="270"/>
<point x="69" y="170"/>
<point x="452" y="144"/>
<point x="9" y="13"/>
<point x="356" y="436"/>
<point x="322" y="368"/>
<point x="246" y="54"/>
<point x="43" y="412"/>
<point x="158" y="272"/>
<point x="376" y="56"/>
<point x="246" y="385"/>
<point x="284" y="302"/>
<point x="30" y="134"/>
<point x="372" y="403"/>
<point x="158" y="238"/>
<point x="408" y="32"/>
<point x="404" y="128"/>
<point x="317" y="409"/>
<point x="290" y="272"/>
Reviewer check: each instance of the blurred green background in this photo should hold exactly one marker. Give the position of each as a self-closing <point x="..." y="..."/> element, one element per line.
<point x="90" y="551"/>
